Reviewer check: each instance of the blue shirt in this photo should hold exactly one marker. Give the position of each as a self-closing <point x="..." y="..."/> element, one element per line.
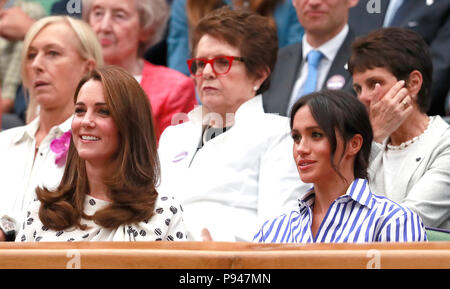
<point x="356" y="217"/>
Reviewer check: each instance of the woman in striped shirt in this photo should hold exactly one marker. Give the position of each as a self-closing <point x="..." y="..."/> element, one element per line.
<point x="332" y="141"/>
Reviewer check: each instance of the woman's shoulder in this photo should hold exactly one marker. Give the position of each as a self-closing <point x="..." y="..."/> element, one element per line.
<point x="391" y="208"/>
<point x="167" y="204"/>
<point x="166" y="224"/>
<point x="12" y="133"/>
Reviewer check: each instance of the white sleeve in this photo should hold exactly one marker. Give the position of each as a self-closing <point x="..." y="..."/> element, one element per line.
<point x="280" y="185"/>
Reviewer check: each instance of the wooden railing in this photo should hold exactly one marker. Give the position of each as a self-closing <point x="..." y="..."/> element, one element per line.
<point x="218" y="255"/>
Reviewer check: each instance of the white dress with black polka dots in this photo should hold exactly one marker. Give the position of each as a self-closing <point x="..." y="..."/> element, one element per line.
<point x="165" y="225"/>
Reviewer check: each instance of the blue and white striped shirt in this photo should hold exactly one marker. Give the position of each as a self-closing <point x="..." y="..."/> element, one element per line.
<point x="356" y="217"/>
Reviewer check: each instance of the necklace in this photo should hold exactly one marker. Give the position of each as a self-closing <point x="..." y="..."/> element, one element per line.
<point x="407" y="143"/>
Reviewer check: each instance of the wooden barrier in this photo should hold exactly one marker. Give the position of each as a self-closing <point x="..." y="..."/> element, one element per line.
<point x="219" y="255"/>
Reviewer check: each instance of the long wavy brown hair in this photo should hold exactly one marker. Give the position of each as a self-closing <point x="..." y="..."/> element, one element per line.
<point x="196" y="9"/>
<point x="134" y="173"/>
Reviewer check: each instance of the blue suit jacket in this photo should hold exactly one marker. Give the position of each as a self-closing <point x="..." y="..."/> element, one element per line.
<point x="430" y="21"/>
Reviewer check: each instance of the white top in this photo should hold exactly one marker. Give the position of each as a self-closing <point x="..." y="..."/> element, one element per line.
<point x="420" y="178"/>
<point x="395" y="156"/>
<point x="20" y="173"/>
<point x="238" y="179"/>
<point x="329" y="50"/>
<point x="165" y="225"/>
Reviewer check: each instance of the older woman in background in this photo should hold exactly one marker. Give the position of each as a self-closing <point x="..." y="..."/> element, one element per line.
<point x="57" y="52"/>
<point x="126" y="29"/>
<point x="228" y="164"/>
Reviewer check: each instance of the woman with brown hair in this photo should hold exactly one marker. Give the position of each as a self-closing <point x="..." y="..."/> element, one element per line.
<point x="107" y="192"/>
<point x="228" y="164"/>
<point x="186" y="14"/>
<point x="126" y="29"/>
<point x="57" y="52"/>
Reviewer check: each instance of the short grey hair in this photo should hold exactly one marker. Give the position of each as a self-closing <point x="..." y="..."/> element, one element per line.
<point x="153" y="15"/>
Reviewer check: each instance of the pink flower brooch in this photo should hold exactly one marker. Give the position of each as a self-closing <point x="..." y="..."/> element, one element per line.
<point x="60" y="146"/>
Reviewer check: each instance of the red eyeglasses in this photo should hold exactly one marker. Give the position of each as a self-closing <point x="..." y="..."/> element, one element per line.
<point x="220" y="64"/>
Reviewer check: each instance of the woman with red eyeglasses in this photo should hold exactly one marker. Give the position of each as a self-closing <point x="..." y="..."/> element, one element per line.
<point x="228" y="164"/>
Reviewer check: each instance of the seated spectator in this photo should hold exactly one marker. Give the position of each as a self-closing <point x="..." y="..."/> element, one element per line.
<point x="107" y="192"/>
<point x="319" y="61"/>
<point x="14" y="24"/>
<point x="228" y="163"/>
<point x="57" y="52"/>
<point x="431" y="19"/>
<point x="410" y="160"/>
<point x="185" y="15"/>
<point x="126" y="29"/>
<point x="332" y="141"/>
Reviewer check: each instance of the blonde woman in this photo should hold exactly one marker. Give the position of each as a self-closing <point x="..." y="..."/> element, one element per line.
<point x="58" y="51"/>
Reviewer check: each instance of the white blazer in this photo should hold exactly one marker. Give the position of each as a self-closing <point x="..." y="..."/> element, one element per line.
<point x="238" y="179"/>
<point x="423" y="180"/>
<point x="21" y="172"/>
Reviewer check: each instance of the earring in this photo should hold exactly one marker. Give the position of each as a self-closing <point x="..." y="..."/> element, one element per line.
<point x="255" y="88"/>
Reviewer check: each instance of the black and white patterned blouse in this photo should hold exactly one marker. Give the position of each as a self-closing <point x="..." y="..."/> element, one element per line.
<point x="165" y="225"/>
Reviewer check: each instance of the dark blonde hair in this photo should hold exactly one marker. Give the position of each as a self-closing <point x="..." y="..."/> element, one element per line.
<point x="250" y="32"/>
<point x="134" y="173"/>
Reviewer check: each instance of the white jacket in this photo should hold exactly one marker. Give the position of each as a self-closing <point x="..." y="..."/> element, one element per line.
<point x="238" y="179"/>
<point x="423" y="179"/>
<point x="21" y="172"/>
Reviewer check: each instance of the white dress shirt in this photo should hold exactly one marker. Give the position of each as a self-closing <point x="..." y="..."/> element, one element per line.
<point x="21" y="172"/>
<point x="329" y="50"/>
<point x="236" y="180"/>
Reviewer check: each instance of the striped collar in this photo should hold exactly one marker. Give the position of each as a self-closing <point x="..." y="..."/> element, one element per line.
<point x="358" y="191"/>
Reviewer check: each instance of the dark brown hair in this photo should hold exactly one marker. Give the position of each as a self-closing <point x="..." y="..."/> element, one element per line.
<point x="196" y="9"/>
<point x="400" y="51"/>
<point x="134" y="173"/>
<point x="251" y="33"/>
<point x="338" y="110"/>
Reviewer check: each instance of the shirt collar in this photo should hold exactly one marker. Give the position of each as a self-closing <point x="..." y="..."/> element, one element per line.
<point x="30" y="129"/>
<point x="251" y="106"/>
<point x="328" y="49"/>
<point x="358" y="191"/>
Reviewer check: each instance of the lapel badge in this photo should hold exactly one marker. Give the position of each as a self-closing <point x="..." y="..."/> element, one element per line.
<point x="335" y="82"/>
<point x="179" y="157"/>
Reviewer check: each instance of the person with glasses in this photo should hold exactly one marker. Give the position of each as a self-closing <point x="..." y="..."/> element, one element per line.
<point x="227" y="164"/>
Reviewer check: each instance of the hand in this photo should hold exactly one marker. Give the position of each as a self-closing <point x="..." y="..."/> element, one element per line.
<point x="2" y="236"/>
<point x="206" y="236"/>
<point x="388" y="112"/>
<point x="14" y="23"/>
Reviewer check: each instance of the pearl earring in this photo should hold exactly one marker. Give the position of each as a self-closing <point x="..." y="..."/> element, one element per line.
<point x="255" y="88"/>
